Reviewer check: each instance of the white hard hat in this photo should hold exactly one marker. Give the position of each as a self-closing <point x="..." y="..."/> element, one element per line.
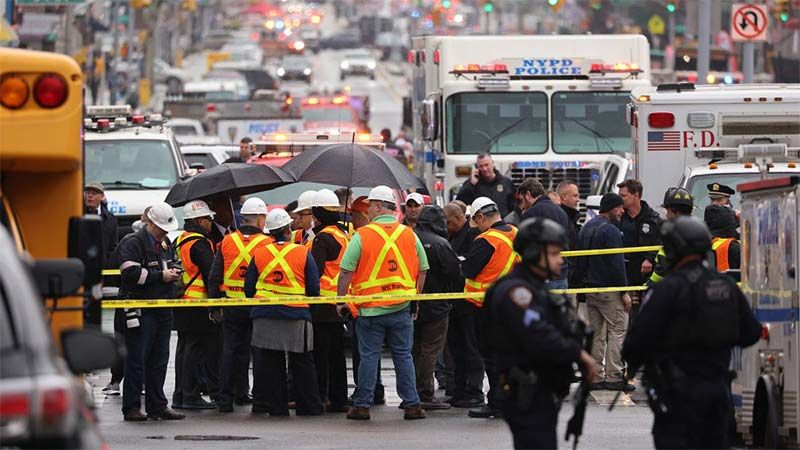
<point x="382" y="193"/>
<point x="417" y="197"/>
<point x="305" y="201"/>
<point x="163" y="217"/>
<point x="326" y="198"/>
<point x="483" y="203"/>
<point x="195" y="209"/>
<point x="277" y="219"/>
<point x="254" y="206"/>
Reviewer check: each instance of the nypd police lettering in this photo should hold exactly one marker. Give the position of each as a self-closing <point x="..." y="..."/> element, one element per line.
<point x="548" y="66"/>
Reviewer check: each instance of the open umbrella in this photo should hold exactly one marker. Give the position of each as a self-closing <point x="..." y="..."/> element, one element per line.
<point x="233" y="179"/>
<point x="351" y="165"/>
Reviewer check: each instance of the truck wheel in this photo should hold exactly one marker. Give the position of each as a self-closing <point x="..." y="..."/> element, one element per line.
<point x="766" y="415"/>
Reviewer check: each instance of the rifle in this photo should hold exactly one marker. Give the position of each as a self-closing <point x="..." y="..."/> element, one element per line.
<point x="575" y="424"/>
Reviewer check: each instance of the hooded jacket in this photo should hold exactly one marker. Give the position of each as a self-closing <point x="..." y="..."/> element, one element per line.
<point x="443" y="275"/>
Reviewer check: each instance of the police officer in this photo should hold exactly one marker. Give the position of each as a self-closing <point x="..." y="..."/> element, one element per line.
<point x="683" y="336"/>
<point x="282" y="268"/>
<point x="195" y="353"/>
<point x="725" y="243"/>
<point x="533" y="339"/>
<point x="148" y="270"/>
<point x="491" y="256"/>
<point x="720" y="195"/>
<point x="679" y="203"/>
<point x="227" y="279"/>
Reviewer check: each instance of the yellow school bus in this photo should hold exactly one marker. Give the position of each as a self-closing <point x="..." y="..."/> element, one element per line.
<point x="41" y="163"/>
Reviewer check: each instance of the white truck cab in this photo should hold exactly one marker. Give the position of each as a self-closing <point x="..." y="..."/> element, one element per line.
<point x="135" y="157"/>
<point x="692" y="136"/>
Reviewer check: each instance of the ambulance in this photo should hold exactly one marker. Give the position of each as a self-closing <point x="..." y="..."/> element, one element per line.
<point x="549" y="107"/>
<point x="766" y="392"/>
<point x="692" y="136"/>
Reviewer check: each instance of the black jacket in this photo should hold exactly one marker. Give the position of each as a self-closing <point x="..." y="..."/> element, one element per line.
<point x="324" y="248"/>
<point x="501" y="190"/>
<point x="461" y="242"/>
<point x="531" y="329"/>
<point x="109" y="233"/>
<point x="202" y="255"/>
<point x="640" y="231"/>
<point x="574" y="227"/>
<point x="443" y="275"/>
<point x="141" y="253"/>
<point x="546" y="209"/>
<point x="676" y="297"/>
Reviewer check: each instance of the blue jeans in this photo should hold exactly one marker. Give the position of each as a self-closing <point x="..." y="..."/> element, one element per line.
<point x="146" y="364"/>
<point x="557" y="284"/>
<point x="398" y="330"/>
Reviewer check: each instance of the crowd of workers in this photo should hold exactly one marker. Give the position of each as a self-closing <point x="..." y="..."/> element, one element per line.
<point x="327" y="244"/>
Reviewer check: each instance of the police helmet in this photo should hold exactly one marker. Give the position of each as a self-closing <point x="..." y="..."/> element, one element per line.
<point x="676" y="197"/>
<point x="683" y="237"/>
<point x="534" y="234"/>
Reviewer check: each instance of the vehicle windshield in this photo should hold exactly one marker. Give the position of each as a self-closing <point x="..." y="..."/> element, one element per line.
<point x="295" y="63"/>
<point x="500" y="122"/>
<point x="327" y="115"/>
<point x="590" y="122"/>
<point x="698" y="187"/>
<point x="205" y="159"/>
<point x="183" y="130"/>
<point x="131" y="164"/>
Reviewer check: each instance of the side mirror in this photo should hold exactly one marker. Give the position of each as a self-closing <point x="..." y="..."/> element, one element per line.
<point x="86" y="243"/>
<point x="88" y="350"/>
<point x="430" y="126"/>
<point x="57" y="278"/>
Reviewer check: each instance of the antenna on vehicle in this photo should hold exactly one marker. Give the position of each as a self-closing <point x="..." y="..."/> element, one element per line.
<point x="354" y="138"/>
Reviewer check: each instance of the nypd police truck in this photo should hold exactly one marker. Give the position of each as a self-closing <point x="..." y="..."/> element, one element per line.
<point x="550" y="107"/>
<point x="766" y="390"/>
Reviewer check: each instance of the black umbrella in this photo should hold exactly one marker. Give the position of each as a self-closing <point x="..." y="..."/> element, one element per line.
<point x="233" y="179"/>
<point x="351" y="165"/>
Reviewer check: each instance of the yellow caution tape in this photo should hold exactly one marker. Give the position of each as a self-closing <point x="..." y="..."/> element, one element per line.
<point x="566" y="254"/>
<point x="354" y="299"/>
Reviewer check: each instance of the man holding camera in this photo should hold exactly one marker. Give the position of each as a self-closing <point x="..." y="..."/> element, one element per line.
<point x="148" y="270"/>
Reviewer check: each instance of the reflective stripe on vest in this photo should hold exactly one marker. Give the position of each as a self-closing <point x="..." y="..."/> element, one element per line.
<point x="721" y="247"/>
<point x="384" y="252"/>
<point x="329" y="280"/>
<point x="236" y="266"/>
<point x="194" y="288"/>
<point x="281" y="271"/>
<point x="501" y="262"/>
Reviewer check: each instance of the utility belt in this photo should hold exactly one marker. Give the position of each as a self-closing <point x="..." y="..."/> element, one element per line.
<point x="665" y="384"/>
<point x="521" y="387"/>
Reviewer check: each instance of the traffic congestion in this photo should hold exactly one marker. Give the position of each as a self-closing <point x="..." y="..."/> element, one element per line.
<point x="399" y="224"/>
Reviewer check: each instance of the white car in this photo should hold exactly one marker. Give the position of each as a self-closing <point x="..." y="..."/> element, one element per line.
<point x="207" y="155"/>
<point x="358" y="62"/>
<point x="191" y="132"/>
<point x="216" y="89"/>
<point x="173" y="77"/>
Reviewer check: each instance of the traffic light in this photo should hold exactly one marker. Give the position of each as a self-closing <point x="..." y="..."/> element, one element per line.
<point x="446" y="4"/>
<point x="488" y="6"/>
<point x="140" y="4"/>
<point x="671" y="7"/>
<point x="555" y="5"/>
<point x="189" y="5"/>
<point x="782" y="10"/>
<point x="596" y="4"/>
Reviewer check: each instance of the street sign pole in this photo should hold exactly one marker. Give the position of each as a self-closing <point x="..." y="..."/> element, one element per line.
<point x="703" y="40"/>
<point x="748" y="57"/>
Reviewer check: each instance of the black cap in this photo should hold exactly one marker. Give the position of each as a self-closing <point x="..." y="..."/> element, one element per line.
<point x="721" y="221"/>
<point x="610" y="201"/>
<point x="676" y="196"/>
<point x="720" y="190"/>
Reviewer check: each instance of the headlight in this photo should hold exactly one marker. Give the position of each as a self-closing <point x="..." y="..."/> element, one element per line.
<point x="344" y="65"/>
<point x="281" y="72"/>
<point x="306" y="71"/>
<point x="371" y="64"/>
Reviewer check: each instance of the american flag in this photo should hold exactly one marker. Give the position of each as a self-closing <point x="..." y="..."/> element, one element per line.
<point x="663" y="141"/>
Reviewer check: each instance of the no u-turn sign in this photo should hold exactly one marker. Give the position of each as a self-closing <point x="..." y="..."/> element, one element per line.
<point x="749" y="23"/>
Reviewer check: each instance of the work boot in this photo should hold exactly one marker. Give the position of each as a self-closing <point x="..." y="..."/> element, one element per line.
<point x="467" y="402"/>
<point x="435" y="404"/>
<point x="134" y="415"/>
<point x="357" y="413"/>
<point x="484" y="412"/>
<point x="200" y="403"/>
<point x="167" y="414"/>
<point x="414" y="413"/>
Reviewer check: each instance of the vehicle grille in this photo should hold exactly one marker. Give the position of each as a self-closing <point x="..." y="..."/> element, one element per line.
<point x="760" y="129"/>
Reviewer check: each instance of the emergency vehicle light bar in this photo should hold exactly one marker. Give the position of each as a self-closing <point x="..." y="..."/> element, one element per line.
<point x="752" y="153"/>
<point x="109" y="111"/>
<point x="768" y="184"/>
<point x="479" y="69"/>
<point x="616" y="68"/>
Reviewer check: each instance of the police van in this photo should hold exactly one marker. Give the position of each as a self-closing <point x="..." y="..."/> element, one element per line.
<point x="766" y="391"/>
<point x="135" y="157"/>
<point x="692" y="136"/>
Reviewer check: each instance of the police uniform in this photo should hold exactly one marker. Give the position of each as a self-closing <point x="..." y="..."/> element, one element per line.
<point x="227" y="280"/>
<point x="683" y="336"/>
<point x="677" y="199"/>
<point x="725" y="244"/>
<point x="716" y="190"/>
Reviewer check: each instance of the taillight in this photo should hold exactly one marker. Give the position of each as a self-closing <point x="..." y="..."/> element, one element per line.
<point x="764" y="333"/>
<point x="661" y="119"/>
<point x="137" y="119"/>
<point x="55" y="404"/>
<point x="436" y="56"/>
<point x="211" y="107"/>
<point x="14" y="405"/>
<point x="50" y="91"/>
<point x="14" y="92"/>
<point x="411" y="57"/>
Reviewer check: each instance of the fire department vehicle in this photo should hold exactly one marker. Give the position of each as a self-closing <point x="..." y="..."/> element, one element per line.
<point x="550" y="107"/>
<point x="330" y="115"/>
<point x="693" y="136"/>
<point x="276" y="149"/>
<point x="766" y="391"/>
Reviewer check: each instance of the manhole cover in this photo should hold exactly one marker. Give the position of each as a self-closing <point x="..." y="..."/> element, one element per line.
<point x="156" y="437"/>
<point x="212" y="437"/>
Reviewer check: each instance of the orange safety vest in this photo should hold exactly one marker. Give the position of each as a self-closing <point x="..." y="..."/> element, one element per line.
<point x="329" y="280"/>
<point x="388" y="265"/>
<point x="237" y="252"/>
<point x="191" y="278"/>
<point x="281" y="271"/>
<point x="501" y="262"/>
<point x="297" y="238"/>
<point x="721" y="247"/>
